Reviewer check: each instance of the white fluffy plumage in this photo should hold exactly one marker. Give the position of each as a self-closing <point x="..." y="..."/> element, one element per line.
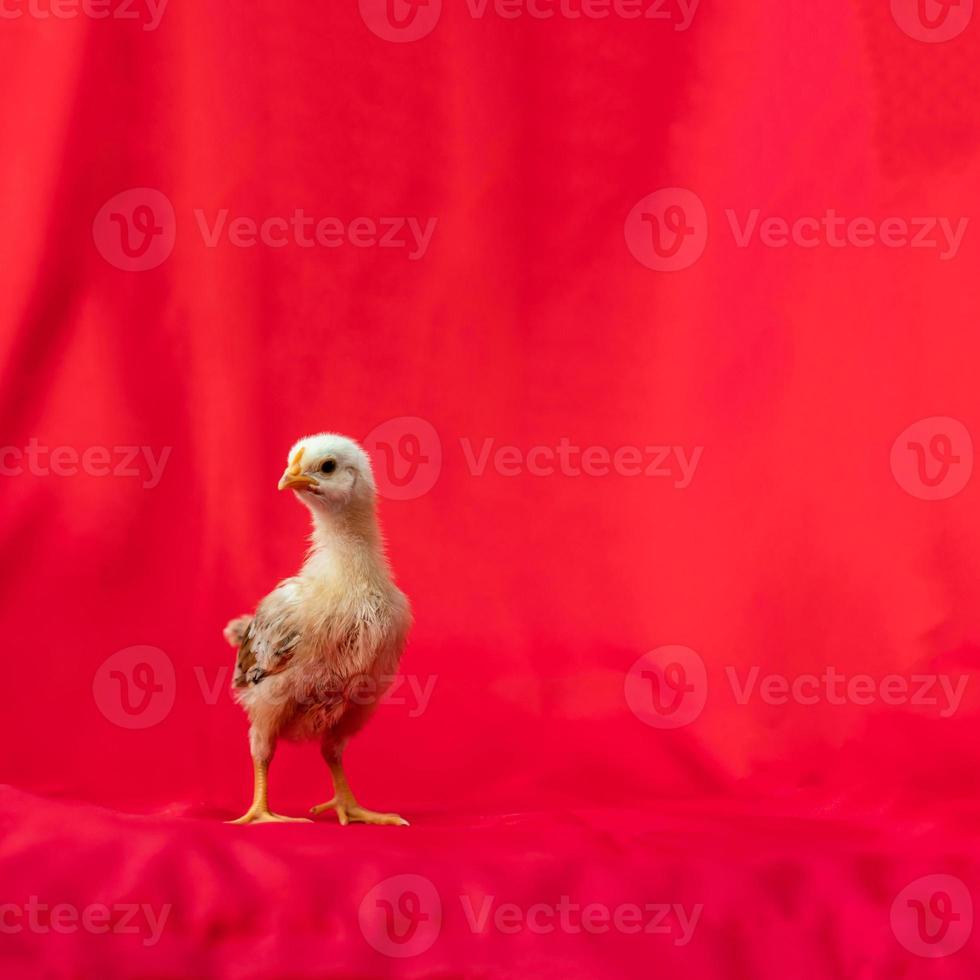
<point x="322" y="647"/>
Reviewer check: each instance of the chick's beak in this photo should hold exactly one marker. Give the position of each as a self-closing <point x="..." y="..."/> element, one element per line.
<point x="295" y="481"/>
<point x="294" y="478"/>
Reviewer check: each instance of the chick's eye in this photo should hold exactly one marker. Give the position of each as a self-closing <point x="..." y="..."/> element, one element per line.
<point x="329" y="465"/>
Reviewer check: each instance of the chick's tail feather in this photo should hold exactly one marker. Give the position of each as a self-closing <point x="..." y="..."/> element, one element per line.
<point x="235" y="631"/>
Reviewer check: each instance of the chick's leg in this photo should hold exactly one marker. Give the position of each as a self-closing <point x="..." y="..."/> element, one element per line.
<point x="348" y="809"/>
<point x="259" y="811"/>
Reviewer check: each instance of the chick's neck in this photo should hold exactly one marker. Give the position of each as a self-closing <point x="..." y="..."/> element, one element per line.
<point x="351" y="531"/>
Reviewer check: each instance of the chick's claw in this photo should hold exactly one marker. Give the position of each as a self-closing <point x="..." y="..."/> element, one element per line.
<point x="323" y="807"/>
<point x="353" y="813"/>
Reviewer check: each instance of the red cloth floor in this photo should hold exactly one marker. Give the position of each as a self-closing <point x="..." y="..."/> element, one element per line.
<point x="708" y="889"/>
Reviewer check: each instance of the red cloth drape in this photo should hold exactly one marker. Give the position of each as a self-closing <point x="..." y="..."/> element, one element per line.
<point x="662" y="331"/>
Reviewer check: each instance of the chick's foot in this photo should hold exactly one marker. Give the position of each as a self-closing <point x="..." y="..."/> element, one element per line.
<point x="263" y="815"/>
<point x="348" y="811"/>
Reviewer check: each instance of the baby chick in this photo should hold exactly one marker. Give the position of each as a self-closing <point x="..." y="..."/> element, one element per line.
<point x="323" y="646"/>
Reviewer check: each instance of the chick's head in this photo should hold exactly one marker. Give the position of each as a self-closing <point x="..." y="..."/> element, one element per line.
<point x="328" y="471"/>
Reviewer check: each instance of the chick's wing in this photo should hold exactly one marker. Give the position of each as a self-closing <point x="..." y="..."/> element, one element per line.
<point x="270" y="639"/>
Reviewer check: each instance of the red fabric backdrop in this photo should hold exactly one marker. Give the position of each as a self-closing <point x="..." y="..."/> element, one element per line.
<point x="788" y="529"/>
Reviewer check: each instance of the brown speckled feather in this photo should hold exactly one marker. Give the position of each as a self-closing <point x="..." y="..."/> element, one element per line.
<point x="268" y="642"/>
